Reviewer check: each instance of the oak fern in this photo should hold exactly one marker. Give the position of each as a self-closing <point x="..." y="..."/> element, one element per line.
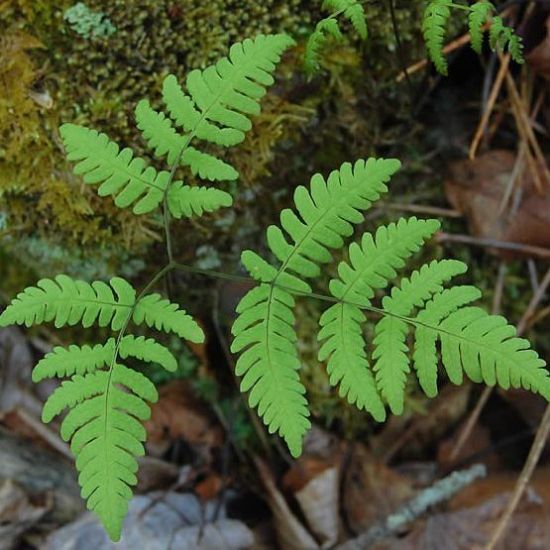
<point x="264" y="332"/>
<point x="106" y="400"/>
<point x="482" y="12"/>
<point x="329" y="28"/>
<point x="482" y="346"/>
<point x="102" y="424"/>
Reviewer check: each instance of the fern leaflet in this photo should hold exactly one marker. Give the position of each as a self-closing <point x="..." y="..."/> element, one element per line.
<point x="434" y="22"/>
<point x="479" y="14"/>
<point x="329" y="27"/>
<point x="63" y="362"/>
<point x="226" y="93"/>
<point x="352" y="10"/>
<point x="127" y="178"/>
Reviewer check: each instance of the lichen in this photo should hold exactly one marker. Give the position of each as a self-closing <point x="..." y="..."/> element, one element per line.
<point x="88" y="23"/>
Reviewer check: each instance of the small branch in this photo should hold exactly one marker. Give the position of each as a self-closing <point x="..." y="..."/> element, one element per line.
<point x="439" y="492"/>
<point x="530" y="250"/>
<point x="525" y="476"/>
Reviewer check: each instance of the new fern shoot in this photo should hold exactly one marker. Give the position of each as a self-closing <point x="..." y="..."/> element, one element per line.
<point x="106" y="401"/>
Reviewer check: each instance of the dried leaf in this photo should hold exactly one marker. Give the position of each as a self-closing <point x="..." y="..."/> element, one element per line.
<point x="291" y="533"/>
<point x="178" y="414"/>
<point x="371" y="490"/>
<point x="476" y="188"/>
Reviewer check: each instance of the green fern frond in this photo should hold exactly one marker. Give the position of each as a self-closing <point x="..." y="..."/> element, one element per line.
<point x="352" y="10"/>
<point x="226" y="93"/>
<point x="64" y="362"/>
<point x="434" y="23"/>
<point x="478" y="16"/>
<point x="103" y="425"/>
<point x="373" y="265"/>
<point x="127" y="178"/>
<point x="316" y="41"/>
<point x="264" y="332"/>
<point x="68" y="302"/>
<point x="162" y="137"/>
<point x="502" y="36"/>
<point x="186" y="201"/>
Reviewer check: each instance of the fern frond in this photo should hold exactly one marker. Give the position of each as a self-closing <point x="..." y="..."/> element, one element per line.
<point x="501" y="36"/>
<point x="478" y="16"/>
<point x="353" y="11"/>
<point x="186" y="201"/>
<point x="127" y="178"/>
<point x="434" y="23"/>
<point x="103" y="425"/>
<point x="373" y="264"/>
<point x="157" y="312"/>
<point x="64" y="362"/>
<point x="226" y="93"/>
<point x="263" y="331"/>
<point x="162" y="137"/>
<point x="68" y="302"/>
<point x="390" y="347"/>
<point x="316" y="41"/>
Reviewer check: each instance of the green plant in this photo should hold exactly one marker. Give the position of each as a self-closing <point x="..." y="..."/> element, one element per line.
<point x="329" y="28"/>
<point x="106" y="405"/>
<point x="107" y="401"/>
<point x="482" y="12"/>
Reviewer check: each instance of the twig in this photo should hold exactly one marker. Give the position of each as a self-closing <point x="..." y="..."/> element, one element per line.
<point x="421" y="209"/>
<point x="441" y="491"/>
<point x="505" y="62"/>
<point x="530" y="250"/>
<point x="415" y="67"/>
<point x="523" y="480"/>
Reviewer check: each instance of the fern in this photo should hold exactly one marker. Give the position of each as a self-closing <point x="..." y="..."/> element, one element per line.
<point x="263" y="331"/>
<point x="328" y="27"/>
<point x="352" y="10"/>
<point x="480" y="345"/>
<point x="102" y="424"/>
<point x="479" y="14"/>
<point x="107" y="400"/>
<point x="438" y="13"/>
<point x="434" y="23"/>
<point x="217" y="109"/>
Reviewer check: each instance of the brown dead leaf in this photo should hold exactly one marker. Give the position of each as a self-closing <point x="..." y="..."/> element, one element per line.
<point x="319" y="500"/>
<point x="477" y="187"/>
<point x="179" y="414"/>
<point x="371" y="490"/>
<point x="539" y="57"/>
<point x="291" y="532"/>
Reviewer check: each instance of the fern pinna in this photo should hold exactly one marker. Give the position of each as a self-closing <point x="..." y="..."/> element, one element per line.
<point x="106" y="400"/>
<point x="480" y="13"/>
<point x="482" y="346"/>
<point x="327" y="28"/>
